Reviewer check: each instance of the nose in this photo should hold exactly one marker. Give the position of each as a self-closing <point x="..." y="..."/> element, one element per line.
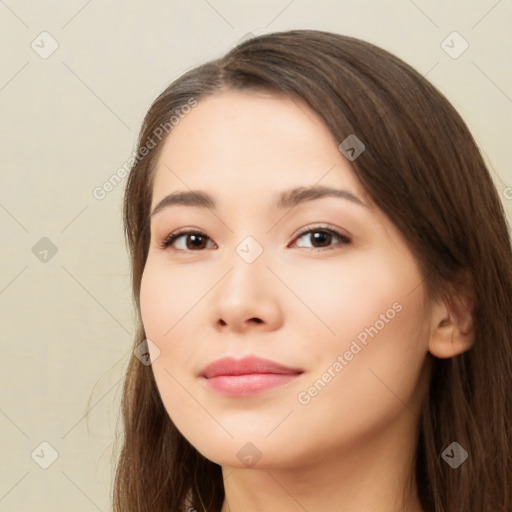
<point x="246" y="298"/>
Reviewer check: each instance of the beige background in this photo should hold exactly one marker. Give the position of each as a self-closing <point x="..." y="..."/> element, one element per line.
<point x="70" y="120"/>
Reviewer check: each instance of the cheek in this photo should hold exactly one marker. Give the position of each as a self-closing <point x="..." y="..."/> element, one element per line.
<point x="166" y="309"/>
<point x="165" y="297"/>
<point x="341" y="297"/>
<point x="164" y="305"/>
<point x="379" y="377"/>
<point x="370" y="312"/>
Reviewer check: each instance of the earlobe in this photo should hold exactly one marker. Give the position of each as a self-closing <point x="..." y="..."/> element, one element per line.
<point x="452" y="331"/>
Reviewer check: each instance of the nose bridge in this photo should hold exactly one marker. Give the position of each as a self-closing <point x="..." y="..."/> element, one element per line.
<point x="248" y="265"/>
<point x="245" y="292"/>
<point x="249" y="250"/>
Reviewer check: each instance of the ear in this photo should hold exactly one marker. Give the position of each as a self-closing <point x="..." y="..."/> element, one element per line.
<point x="452" y="330"/>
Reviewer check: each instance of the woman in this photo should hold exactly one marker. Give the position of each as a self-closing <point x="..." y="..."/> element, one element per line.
<point x="322" y="273"/>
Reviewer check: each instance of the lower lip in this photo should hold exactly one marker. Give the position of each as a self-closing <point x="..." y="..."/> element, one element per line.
<point x="243" y="385"/>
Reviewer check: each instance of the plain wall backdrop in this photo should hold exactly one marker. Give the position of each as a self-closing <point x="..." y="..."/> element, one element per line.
<point x="76" y="79"/>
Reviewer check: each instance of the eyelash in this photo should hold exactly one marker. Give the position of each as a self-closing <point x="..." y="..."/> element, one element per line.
<point x="345" y="240"/>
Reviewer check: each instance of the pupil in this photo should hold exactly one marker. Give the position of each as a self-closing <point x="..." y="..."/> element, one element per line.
<point x="320" y="236"/>
<point x="196" y="238"/>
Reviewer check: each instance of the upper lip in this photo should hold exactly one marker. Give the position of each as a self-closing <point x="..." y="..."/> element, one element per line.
<point x="245" y="366"/>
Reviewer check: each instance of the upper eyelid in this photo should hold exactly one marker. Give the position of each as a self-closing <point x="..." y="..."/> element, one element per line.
<point x="335" y="231"/>
<point x="298" y="234"/>
<point x="301" y="231"/>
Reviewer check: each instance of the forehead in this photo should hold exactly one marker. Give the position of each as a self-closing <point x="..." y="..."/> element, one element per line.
<point x="250" y="143"/>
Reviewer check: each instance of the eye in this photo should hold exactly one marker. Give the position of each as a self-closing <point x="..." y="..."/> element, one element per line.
<point x="321" y="237"/>
<point x="197" y="240"/>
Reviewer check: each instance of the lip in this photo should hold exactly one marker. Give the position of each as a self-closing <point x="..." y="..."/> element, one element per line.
<point x="246" y="376"/>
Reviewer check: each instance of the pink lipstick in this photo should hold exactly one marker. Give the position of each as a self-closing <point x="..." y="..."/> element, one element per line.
<point x="247" y="376"/>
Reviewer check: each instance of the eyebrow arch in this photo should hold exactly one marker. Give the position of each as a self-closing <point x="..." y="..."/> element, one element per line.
<point x="287" y="198"/>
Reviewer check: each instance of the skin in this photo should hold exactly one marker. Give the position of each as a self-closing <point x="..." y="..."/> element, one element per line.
<point x="299" y="303"/>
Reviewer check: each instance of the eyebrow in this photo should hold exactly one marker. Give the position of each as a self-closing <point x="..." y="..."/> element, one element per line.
<point x="287" y="198"/>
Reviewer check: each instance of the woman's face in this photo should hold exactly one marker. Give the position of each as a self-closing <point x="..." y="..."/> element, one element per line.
<point x="341" y="302"/>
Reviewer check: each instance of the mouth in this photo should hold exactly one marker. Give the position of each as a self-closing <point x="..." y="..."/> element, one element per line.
<point x="247" y="376"/>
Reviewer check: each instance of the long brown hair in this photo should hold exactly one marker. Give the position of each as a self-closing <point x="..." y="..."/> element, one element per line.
<point x="423" y="169"/>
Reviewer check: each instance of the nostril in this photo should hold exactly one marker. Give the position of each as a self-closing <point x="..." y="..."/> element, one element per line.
<point x="254" y="319"/>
